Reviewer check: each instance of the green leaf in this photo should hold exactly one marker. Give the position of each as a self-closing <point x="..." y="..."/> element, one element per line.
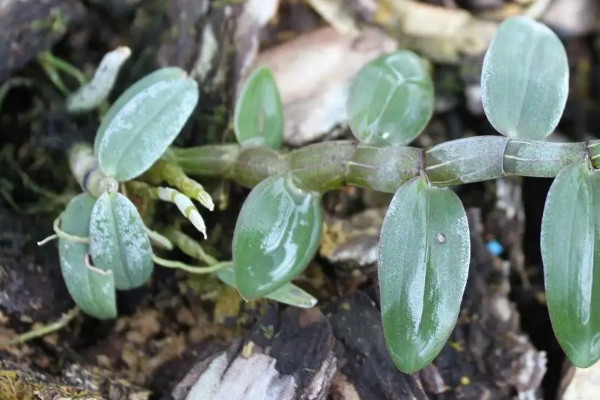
<point x="287" y="294"/>
<point x="162" y="74"/>
<point x="423" y="267"/>
<point x="571" y="254"/>
<point x="276" y="236"/>
<point x="93" y="290"/>
<point x="259" y="111"/>
<point x="525" y="79"/>
<point x="391" y="100"/>
<point x="143" y="122"/>
<point x="118" y="241"/>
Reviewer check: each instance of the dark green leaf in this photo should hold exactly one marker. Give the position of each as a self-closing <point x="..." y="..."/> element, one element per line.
<point x="144" y="122"/>
<point x="391" y="100"/>
<point x="276" y="236"/>
<point x="259" y="111"/>
<point x="525" y="79"/>
<point x="571" y="255"/>
<point x="92" y="289"/>
<point x="118" y="241"/>
<point x="423" y="268"/>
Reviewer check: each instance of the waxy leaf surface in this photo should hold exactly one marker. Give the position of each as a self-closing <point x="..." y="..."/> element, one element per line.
<point x="118" y="241"/>
<point x="391" y="100"/>
<point x="571" y="254"/>
<point x="143" y="122"/>
<point x="259" y="111"/>
<point x="287" y="294"/>
<point x="423" y="266"/>
<point x="92" y="289"/>
<point x="276" y="236"/>
<point x="162" y="74"/>
<point x="525" y="79"/>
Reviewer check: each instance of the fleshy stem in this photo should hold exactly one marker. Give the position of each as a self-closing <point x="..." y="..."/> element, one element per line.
<point x="330" y="165"/>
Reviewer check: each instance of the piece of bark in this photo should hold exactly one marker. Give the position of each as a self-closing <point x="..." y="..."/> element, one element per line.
<point x="356" y="324"/>
<point x="181" y="42"/>
<point x="31" y="284"/>
<point x="351" y="244"/>
<point x="440" y="34"/>
<point x="285" y="357"/>
<point x="28" y="27"/>
<point x="580" y="383"/>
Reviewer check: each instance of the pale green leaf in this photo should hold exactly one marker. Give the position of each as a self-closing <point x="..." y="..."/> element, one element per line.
<point x="423" y="267"/>
<point x="276" y="235"/>
<point x="93" y="290"/>
<point x="118" y="241"/>
<point x="525" y="79"/>
<point x="391" y="100"/>
<point x="144" y="122"/>
<point x="571" y="254"/>
<point x="259" y="111"/>
<point x="162" y="74"/>
<point x="287" y="294"/>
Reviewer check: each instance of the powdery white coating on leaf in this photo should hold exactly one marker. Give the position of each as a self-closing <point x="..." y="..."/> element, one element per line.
<point x="163" y="74"/>
<point x="525" y="79"/>
<point x="118" y="241"/>
<point x="93" y="291"/>
<point x="145" y="126"/>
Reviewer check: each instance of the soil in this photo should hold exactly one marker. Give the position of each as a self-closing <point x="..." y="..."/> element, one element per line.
<point x="180" y="328"/>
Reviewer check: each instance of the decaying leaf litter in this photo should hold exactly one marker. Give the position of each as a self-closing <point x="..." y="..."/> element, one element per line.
<point x="179" y="329"/>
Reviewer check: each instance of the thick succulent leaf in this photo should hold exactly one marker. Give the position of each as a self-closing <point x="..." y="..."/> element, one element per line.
<point x="287" y="294"/>
<point x="391" y="99"/>
<point x="144" y="122"/>
<point x="525" y="79"/>
<point x="571" y="255"/>
<point x="118" y="241"/>
<point x="259" y="111"/>
<point x="423" y="267"/>
<point x="169" y="73"/>
<point x="92" y="289"/>
<point x="276" y="236"/>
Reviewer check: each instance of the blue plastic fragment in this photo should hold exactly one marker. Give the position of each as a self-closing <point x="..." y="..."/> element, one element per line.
<point x="495" y="247"/>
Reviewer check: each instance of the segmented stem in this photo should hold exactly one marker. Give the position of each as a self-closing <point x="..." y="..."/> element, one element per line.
<point x="330" y="165"/>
